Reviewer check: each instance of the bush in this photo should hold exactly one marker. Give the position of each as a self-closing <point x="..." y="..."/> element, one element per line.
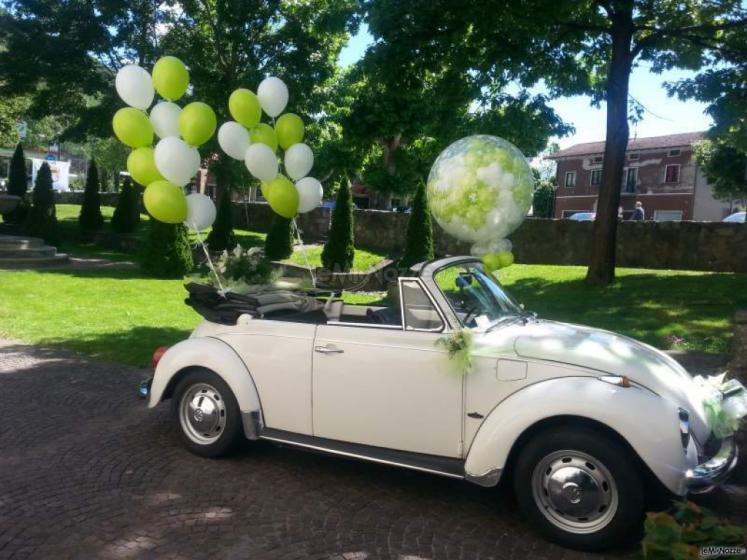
<point x="166" y="253"/>
<point x="18" y="185"/>
<point x="279" y="241"/>
<point x="90" y="212"/>
<point x="419" y="244"/>
<point x="41" y="220"/>
<point x="543" y="199"/>
<point x="126" y="215"/>
<point x="338" y="251"/>
<point x="221" y="237"/>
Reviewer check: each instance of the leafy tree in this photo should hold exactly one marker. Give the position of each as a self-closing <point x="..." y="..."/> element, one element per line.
<point x="166" y="253"/>
<point x="279" y="240"/>
<point x="42" y="217"/>
<point x="126" y="215"/>
<point x="90" y="217"/>
<point x="419" y="244"/>
<point x="543" y="199"/>
<point x="17" y="185"/>
<point x="338" y="252"/>
<point x="221" y="237"/>
<point x="76" y="48"/>
<point x="575" y="47"/>
<point x="725" y="167"/>
<point x="230" y="44"/>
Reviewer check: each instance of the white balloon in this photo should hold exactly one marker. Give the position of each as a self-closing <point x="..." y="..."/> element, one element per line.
<point x="135" y="86"/>
<point x="273" y="95"/>
<point x="233" y="139"/>
<point x="299" y="159"/>
<point x="165" y="119"/>
<point x="200" y="212"/>
<point x="261" y="162"/>
<point x="310" y="194"/>
<point x="176" y="160"/>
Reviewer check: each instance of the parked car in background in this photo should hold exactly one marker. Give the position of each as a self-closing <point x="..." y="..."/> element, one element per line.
<point x="583" y="422"/>
<point x="737" y="217"/>
<point x="583" y="216"/>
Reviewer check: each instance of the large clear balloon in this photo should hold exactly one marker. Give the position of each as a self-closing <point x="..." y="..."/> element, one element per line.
<point x="244" y="106"/>
<point x="261" y="162"/>
<point x="200" y="212"/>
<point x="310" y="193"/>
<point x="264" y="134"/>
<point x="289" y="129"/>
<point x="197" y="123"/>
<point x="233" y="139"/>
<point x="170" y="77"/>
<point x="141" y="163"/>
<point x="273" y="95"/>
<point x="165" y="119"/>
<point x="282" y="196"/>
<point x="132" y="127"/>
<point x="177" y="161"/>
<point x="480" y="190"/>
<point x="134" y="86"/>
<point x="299" y="159"/>
<point x="165" y="202"/>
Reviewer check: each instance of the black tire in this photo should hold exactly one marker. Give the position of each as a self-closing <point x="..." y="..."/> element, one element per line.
<point x="615" y="525"/>
<point x="225" y="437"/>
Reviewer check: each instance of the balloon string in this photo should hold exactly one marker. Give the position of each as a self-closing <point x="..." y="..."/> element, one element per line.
<point x="303" y="252"/>
<point x="221" y="291"/>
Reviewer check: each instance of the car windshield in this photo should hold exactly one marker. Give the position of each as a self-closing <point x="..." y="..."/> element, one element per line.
<point x="476" y="297"/>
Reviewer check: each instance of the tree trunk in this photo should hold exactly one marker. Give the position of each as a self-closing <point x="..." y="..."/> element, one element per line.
<point x="383" y="200"/>
<point x="601" y="269"/>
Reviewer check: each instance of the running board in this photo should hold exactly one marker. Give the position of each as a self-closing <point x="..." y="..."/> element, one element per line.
<point x="434" y="464"/>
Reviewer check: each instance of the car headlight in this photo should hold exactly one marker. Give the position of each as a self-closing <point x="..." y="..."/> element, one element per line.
<point x="684" y="416"/>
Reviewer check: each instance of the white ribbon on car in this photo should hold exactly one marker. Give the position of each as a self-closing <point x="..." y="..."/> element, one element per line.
<point x="725" y="403"/>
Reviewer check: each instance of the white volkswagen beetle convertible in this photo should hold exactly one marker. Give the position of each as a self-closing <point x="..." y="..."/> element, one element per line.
<point x="581" y="420"/>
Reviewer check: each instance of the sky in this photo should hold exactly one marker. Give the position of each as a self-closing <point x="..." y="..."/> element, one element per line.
<point x="664" y="115"/>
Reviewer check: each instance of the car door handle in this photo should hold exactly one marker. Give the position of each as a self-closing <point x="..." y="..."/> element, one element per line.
<point x="327" y="350"/>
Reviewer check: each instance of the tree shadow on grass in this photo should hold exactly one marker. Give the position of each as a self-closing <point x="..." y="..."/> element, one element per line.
<point x="132" y="347"/>
<point x="650" y="307"/>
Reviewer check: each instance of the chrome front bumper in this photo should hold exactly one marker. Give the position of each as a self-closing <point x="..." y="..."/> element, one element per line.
<point x="715" y="470"/>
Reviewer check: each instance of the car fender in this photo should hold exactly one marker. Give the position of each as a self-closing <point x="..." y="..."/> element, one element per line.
<point x="647" y="422"/>
<point x="219" y="357"/>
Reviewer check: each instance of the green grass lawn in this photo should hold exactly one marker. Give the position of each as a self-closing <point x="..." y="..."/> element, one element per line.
<point x="311" y="255"/>
<point x="121" y="316"/>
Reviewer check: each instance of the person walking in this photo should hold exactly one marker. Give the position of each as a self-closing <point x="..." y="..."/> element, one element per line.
<point x="639" y="214"/>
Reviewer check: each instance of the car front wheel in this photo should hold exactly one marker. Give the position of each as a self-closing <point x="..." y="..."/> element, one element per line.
<point x="207" y="414"/>
<point x="580" y="487"/>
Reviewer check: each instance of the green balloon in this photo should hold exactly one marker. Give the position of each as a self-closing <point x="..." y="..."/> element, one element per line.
<point x="141" y="163"/>
<point x="492" y="261"/>
<point x="165" y="202"/>
<point x="289" y="130"/>
<point x="132" y="127"/>
<point x="507" y="258"/>
<point x="170" y="77"/>
<point x="264" y="134"/>
<point x="244" y="107"/>
<point x="197" y="123"/>
<point x="283" y="196"/>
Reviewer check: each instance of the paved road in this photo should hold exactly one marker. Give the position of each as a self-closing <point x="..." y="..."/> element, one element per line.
<point x="87" y="472"/>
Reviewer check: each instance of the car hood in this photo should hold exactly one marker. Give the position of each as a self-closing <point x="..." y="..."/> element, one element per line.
<point x="609" y="353"/>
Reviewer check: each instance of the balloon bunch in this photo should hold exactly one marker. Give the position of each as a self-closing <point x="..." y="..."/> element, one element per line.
<point x="167" y="168"/>
<point x="256" y="144"/>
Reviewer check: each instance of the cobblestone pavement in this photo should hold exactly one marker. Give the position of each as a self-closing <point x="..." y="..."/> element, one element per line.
<point x="86" y="471"/>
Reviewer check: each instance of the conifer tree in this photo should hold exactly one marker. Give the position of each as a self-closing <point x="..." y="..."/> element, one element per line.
<point x="41" y="220"/>
<point x="17" y="186"/>
<point x="419" y="244"/>
<point x="338" y="252"/>
<point x="279" y="241"/>
<point x="126" y="215"/>
<point x="90" y="217"/>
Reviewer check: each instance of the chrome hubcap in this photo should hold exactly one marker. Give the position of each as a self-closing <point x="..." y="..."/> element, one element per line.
<point x="574" y="491"/>
<point x="202" y="413"/>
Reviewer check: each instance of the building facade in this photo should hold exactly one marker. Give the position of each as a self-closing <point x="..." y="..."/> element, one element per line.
<point x="660" y="173"/>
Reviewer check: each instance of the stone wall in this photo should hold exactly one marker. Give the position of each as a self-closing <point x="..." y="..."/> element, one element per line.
<point x="712" y="246"/>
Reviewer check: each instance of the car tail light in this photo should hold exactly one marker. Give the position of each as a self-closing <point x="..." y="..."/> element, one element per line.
<point x="157" y="355"/>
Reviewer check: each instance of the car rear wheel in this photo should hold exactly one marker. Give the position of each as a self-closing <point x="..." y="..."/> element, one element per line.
<point x="580" y="487"/>
<point x="207" y="414"/>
